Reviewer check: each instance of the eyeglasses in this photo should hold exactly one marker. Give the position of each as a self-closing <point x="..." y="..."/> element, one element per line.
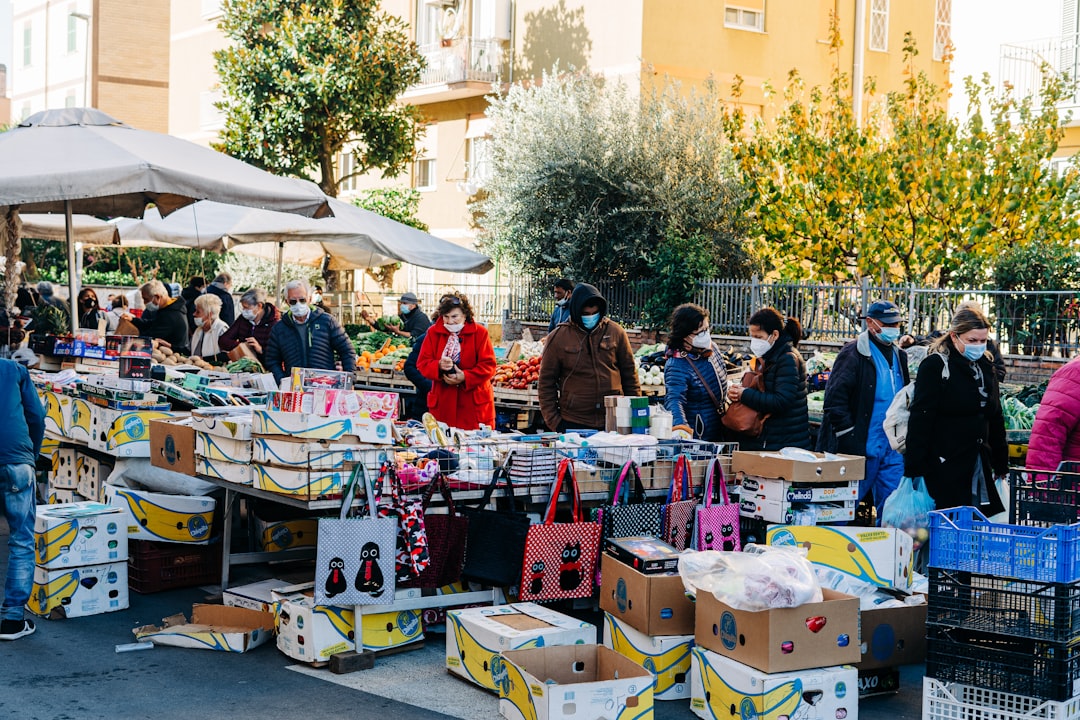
<point x="293" y="301"/>
<point x="451" y="300"/>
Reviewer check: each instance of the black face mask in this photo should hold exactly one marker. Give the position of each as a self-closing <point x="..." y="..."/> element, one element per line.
<point x="89" y="302"/>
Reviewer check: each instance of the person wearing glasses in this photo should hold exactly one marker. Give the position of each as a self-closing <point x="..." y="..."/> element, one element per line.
<point x="695" y="377"/>
<point x="307" y="337"/>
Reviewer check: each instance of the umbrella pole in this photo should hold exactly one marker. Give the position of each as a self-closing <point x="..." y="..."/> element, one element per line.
<point x="73" y="275"/>
<point x="280" y="259"/>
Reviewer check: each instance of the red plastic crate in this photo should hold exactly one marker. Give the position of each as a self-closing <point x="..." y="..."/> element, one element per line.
<point x="159" y="566"/>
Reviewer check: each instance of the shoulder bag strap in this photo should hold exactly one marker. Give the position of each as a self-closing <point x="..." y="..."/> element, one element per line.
<point x="712" y="396"/>
<point x="556" y="490"/>
<point x="499" y="472"/>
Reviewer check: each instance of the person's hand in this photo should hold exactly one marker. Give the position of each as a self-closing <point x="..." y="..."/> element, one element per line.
<point x="683" y="432"/>
<point x="455" y="379"/>
<point x="254" y="344"/>
<point x="735" y="392"/>
<point x="127" y="316"/>
<point x="446" y="363"/>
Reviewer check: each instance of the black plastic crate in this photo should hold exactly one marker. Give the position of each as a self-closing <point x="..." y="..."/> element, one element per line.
<point x="1050" y="671"/>
<point x="1020" y="608"/>
<point x="159" y="566"/>
<point x="752" y="530"/>
<point x="1042" y="498"/>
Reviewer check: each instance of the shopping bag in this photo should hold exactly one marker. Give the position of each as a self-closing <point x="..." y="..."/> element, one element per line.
<point x="446" y="534"/>
<point x="560" y="558"/>
<point x="908" y="508"/>
<point x="412" y="542"/>
<point x="743" y="419"/>
<point x="354" y="563"/>
<point x="629" y="515"/>
<point x="495" y="544"/>
<point x="717" y="518"/>
<point x="681" y="502"/>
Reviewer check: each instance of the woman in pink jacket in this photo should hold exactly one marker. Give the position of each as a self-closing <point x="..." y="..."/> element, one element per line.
<point x="1055" y="436"/>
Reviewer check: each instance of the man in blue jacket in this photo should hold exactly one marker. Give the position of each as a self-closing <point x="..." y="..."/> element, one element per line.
<point x="307" y="337"/>
<point x="561" y="314"/>
<point x="416" y="406"/>
<point x="22" y="411"/>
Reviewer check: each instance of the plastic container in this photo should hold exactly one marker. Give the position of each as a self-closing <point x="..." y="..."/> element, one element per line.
<point x="953" y="701"/>
<point x="963" y="539"/>
<point x="158" y="566"/>
<point x="1044" y="498"/>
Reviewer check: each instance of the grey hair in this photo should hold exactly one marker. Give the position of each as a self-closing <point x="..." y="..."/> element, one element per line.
<point x="45" y="287"/>
<point x="224" y="278"/>
<point x="154" y="287"/>
<point x="254" y="296"/>
<point x="293" y="284"/>
<point x="210" y="304"/>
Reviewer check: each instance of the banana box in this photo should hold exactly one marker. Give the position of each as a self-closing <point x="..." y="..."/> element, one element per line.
<point x="574" y="682"/>
<point x="653" y="604"/>
<point x="308" y="483"/>
<point x="277" y="535"/>
<point x="308" y="632"/>
<point x="55" y="406"/>
<point x="214" y="447"/>
<point x="665" y="656"/>
<point x="78" y="420"/>
<point x="386" y="630"/>
<point x="323" y="454"/>
<point x="880" y="556"/>
<point x="255" y="596"/>
<point x="313" y="427"/>
<point x="778" y="490"/>
<point x="62" y="497"/>
<point x="172" y="445"/>
<point x="475" y="638"/>
<point x="212" y="627"/>
<point x="125" y="433"/>
<point x="82" y="533"/>
<point x="92" y="475"/>
<point x="225" y="422"/>
<point x="165" y="518"/>
<point x="49" y="445"/>
<point x="64" y="472"/>
<point x="239" y="473"/>
<point x="79" y="591"/>
<point x="719" y="685"/>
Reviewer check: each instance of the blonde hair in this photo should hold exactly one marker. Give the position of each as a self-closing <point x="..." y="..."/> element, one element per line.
<point x="968" y="316"/>
<point x="209" y="304"/>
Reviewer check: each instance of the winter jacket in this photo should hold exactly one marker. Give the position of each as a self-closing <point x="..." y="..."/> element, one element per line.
<point x="560" y="315"/>
<point x="849" y="396"/>
<point x="579" y="368"/>
<point x="208" y="344"/>
<point x="472" y="402"/>
<point x="687" y="399"/>
<point x="169" y="323"/>
<point x="242" y="329"/>
<point x="284" y="349"/>
<point x="417" y="404"/>
<point x="89" y="320"/>
<point x="415" y="323"/>
<point x="784" y="399"/>
<point x="228" y="312"/>
<point x="1055" y="436"/>
<point x="21" y="409"/>
<point x="952" y="424"/>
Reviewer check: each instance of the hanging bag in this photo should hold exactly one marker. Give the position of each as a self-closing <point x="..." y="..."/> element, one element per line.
<point x="681" y="504"/>
<point x="412" y="544"/>
<point x="560" y="558"/>
<point x="629" y="514"/>
<point x="717" y="522"/>
<point x="446" y="536"/>
<point x="741" y="418"/>
<point x="354" y="563"/>
<point x="495" y="544"/>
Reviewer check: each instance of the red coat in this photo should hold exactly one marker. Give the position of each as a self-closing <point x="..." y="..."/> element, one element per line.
<point x="1055" y="436"/>
<point x="471" y="403"/>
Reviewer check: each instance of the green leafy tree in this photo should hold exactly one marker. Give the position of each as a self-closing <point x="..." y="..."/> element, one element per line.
<point x="304" y="80"/>
<point x="250" y="271"/>
<point x="397" y="203"/>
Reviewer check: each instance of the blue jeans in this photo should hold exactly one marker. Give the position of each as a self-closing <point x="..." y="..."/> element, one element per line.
<point x="18" y="494"/>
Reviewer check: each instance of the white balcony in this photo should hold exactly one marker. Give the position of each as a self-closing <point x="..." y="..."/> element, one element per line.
<point x="1026" y="66"/>
<point x="458" y="69"/>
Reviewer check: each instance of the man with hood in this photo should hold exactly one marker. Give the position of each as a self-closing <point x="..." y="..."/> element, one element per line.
<point x="307" y="337"/>
<point x="866" y="376"/>
<point x="167" y="317"/>
<point x="585" y="360"/>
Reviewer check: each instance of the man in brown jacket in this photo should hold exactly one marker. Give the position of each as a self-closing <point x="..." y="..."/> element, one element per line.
<point x="585" y="359"/>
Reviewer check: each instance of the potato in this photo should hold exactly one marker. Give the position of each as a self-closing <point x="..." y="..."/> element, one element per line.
<point x="157" y="356"/>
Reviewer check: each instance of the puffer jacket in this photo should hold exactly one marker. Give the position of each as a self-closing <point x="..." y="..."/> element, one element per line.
<point x="326" y="338"/>
<point x="784" y="399"/>
<point x="242" y="329"/>
<point x="687" y="399"/>
<point x="169" y="323"/>
<point x="1055" y="436"/>
<point x="579" y="367"/>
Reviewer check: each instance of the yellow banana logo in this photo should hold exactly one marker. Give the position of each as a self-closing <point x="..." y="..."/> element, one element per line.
<point x="79" y="424"/>
<point x="56" y="593"/>
<point x="324" y="484"/>
<point x="55" y="541"/>
<point x="640" y="710"/>
<point x="516" y="689"/>
<point x="485" y="666"/>
<point x="391" y="629"/>
<point x="780" y="702"/>
<point x="209" y="640"/>
<point x="165" y="523"/>
<point x="211" y="448"/>
<point x="830" y="548"/>
<point x="665" y="666"/>
<point x="132" y="427"/>
<point x="54" y="413"/>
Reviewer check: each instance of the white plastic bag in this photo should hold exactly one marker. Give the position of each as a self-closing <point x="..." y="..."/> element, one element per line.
<point x="759" y="578"/>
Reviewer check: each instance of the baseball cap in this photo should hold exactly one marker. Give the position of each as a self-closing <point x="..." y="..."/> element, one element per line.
<point x="884" y="311"/>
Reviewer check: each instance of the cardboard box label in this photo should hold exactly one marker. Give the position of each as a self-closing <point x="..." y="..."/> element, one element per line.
<point x="666" y="656"/>
<point x="785" y="491"/>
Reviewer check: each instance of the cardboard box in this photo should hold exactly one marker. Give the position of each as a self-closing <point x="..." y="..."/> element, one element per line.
<point x="779" y="511"/>
<point x="299" y="482"/>
<point x="379" y="405"/>
<point x="124" y="433"/>
<point x="92" y="476"/>
<point x="78" y="420"/>
<point x="309" y="632"/>
<point x="278" y="535"/>
<point x="212" y="627"/>
<point x="386" y="630"/>
<point x="773" y="465"/>
<point x="718" y="684"/>
<point x="79" y="591"/>
<point x="63" y="497"/>
<point x="313" y="427"/>
<point x="165" y="518"/>
<point x="475" y="637"/>
<point x="172" y="445"/>
<point x="881" y="556"/>
<point x="578" y="682"/>
<point x="666" y="656"/>
<point x="782" y="639"/>
<point x="892" y="636"/>
<point x="85" y="533"/>
<point x="308" y="379"/>
<point x="255" y="596"/>
<point x="55" y="406"/>
<point x="234" y="423"/>
<point x="778" y="490"/>
<point x="64" y="472"/>
<point x="214" y="447"/>
<point x="651" y="604"/>
<point x="322" y="454"/>
<point x="222" y="470"/>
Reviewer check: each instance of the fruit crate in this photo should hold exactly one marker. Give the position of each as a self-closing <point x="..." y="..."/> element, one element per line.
<point x="1050" y="671"/>
<point x="1020" y="608"/>
<point x="962" y="538"/>
<point x="158" y="566"/>
<point x="1041" y="498"/>
<point x="953" y="701"/>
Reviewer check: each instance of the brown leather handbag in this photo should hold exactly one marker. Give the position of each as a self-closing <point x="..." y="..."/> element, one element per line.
<point x="741" y="418"/>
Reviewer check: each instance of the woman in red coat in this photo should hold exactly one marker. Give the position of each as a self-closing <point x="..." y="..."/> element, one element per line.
<point x="458" y="359"/>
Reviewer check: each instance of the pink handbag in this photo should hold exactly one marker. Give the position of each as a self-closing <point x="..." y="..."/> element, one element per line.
<point x="678" y="530"/>
<point x="717" y="524"/>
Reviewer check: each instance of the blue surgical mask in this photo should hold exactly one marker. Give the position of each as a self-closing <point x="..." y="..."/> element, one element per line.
<point x="974" y="351"/>
<point x="590" y="321"/>
<point x="889" y="334"/>
<point x="404" y="308"/>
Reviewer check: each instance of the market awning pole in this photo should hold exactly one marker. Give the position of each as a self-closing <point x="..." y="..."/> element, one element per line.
<point x="280" y="256"/>
<point x="73" y="275"/>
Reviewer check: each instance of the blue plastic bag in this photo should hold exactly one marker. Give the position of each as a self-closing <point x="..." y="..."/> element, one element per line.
<point x="908" y="509"/>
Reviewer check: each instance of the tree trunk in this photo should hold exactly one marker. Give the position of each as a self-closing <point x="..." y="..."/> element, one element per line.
<point x="10" y="239"/>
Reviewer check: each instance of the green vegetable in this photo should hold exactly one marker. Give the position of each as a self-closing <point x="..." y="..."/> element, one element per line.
<point x="245" y="365"/>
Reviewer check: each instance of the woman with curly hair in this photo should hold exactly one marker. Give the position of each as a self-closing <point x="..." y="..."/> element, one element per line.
<point x="695" y="377"/>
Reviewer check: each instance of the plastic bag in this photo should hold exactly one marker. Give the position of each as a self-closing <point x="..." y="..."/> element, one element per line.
<point x="908" y="508"/>
<point x="759" y="578"/>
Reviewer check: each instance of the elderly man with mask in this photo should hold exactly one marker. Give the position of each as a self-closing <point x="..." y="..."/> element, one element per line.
<point x="867" y="374"/>
<point x="167" y="317"/>
<point x="307" y="337"/>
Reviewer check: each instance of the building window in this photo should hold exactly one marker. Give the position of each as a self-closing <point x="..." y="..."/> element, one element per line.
<point x="425" y="174"/>
<point x="879" y="25"/>
<point x="72" y="31"/>
<point x="942" y="28"/>
<point x="429" y="23"/>
<point x="346" y="167"/>
<point x="741" y="18"/>
<point x="27" y="44"/>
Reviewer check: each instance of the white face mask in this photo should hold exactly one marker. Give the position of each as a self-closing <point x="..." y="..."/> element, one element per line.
<point x="152" y="307"/>
<point x="248" y="315"/>
<point x="759" y="347"/>
<point x="702" y="340"/>
<point x="300" y="310"/>
<point x="455" y="327"/>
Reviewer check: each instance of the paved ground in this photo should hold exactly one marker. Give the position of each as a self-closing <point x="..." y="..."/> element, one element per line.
<point x="69" y="670"/>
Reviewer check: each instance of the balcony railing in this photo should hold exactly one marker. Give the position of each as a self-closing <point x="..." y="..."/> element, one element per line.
<point x="1026" y="66"/>
<point x="464" y="60"/>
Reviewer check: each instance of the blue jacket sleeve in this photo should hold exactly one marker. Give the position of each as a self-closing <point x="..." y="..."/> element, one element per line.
<point x="411" y="371"/>
<point x="32" y="409"/>
<point x="675" y="383"/>
<point x="273" y="356"/>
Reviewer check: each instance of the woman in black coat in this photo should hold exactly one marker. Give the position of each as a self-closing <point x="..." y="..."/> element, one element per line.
<point x="956" y="432"/>
<point x="773" y="340"/>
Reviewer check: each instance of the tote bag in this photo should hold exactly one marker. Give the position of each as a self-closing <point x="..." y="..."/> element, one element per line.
<point x="717" y="524"/>
<point x="744" y="419"/>
<point x="495" y="544"/>
<point x="446" y="534"/>
<point x="354" y="562"/>
<point x="412" y="541"/>
<point x="681" y="504"/>
<point x="560" y="558"/>
<point x="629" y="514"/>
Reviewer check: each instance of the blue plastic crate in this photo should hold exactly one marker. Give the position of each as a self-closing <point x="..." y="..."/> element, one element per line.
<point x="963" y="539"/>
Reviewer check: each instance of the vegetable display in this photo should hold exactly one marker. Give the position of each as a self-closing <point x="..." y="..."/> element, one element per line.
<point x="519" y="375"/>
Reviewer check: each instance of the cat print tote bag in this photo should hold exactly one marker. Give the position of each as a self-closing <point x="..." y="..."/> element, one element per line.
<point x="717" y="519"/>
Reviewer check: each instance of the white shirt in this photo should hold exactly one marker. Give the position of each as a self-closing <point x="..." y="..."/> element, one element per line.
<point x="208" y="340"/>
